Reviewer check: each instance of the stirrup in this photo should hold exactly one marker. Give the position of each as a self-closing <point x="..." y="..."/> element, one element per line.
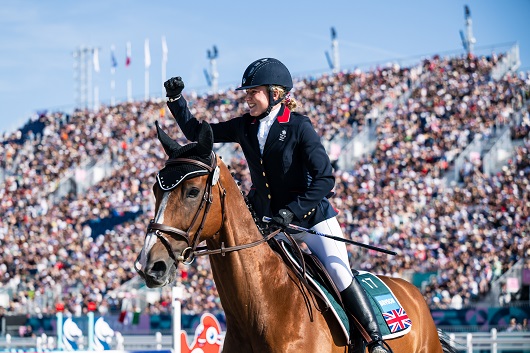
<point x="379" y="347"/>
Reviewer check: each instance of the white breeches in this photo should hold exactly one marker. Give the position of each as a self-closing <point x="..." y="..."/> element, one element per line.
<point x="331" y="253"/>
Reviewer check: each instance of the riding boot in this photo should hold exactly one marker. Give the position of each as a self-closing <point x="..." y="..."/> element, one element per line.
<point x="357" y="303"/>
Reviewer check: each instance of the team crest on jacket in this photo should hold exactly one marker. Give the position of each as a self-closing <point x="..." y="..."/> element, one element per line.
<point x="283" y="134"/>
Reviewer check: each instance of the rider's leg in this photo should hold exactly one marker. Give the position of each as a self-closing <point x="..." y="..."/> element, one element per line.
<point x="334" y="257"/>
<point x="357" y="303"/>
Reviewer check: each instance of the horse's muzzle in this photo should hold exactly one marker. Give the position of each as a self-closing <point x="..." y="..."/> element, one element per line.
<point x="156" y="274"/>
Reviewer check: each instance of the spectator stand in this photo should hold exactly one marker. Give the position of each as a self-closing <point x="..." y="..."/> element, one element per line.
<point x="346" y="151"/>
<point x="493" y="149"/>
<point x="391" y="197"/>
<point x="87" y="174"/>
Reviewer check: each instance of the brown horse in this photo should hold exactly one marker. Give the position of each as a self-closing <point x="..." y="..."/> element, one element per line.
<point x="266" y="307"/>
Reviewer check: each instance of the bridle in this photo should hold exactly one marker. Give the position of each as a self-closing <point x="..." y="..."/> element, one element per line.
<point x="160" y="230"/>
<point x="188" y="254"/>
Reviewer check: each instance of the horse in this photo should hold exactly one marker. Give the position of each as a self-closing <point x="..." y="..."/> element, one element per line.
<point x="267" y="308"/>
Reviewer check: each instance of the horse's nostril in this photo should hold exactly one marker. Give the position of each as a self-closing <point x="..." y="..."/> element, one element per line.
<point x="159" y="269"/>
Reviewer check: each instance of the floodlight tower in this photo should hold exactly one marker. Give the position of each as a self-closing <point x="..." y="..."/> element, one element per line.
<point x="212" y="78"/>
<point x="83" y="76"/>
<point x="334" y="62"/>
<point x="468" y="41"/>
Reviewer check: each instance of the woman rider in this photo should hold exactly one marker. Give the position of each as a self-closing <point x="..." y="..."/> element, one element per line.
<point x="290" y="170"/>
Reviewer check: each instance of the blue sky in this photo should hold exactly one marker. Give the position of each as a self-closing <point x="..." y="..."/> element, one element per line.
<point x="38" y="39"/>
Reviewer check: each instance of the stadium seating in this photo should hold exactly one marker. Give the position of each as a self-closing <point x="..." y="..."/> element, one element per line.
<point x="466" y="233"/>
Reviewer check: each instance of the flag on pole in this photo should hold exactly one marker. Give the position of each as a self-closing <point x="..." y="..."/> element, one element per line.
<point x="164" y="49"/>
<point x="147" y="54"/>
<point x="128" y="58"/>
<point x="95" y="59"/>
<point x="113" y="61"/>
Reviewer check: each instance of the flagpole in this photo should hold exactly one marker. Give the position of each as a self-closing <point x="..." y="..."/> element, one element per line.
<point x="129" y="90"/>
<point x="96" y="98"/>
<point x="147" y="58"/>
<point x="163" y="75"/>
<point x="89" y="86"/>
<point x="113" y="64"/>
<point x="129" y="81"/>
<point x="112" y="88"/>
<point x="146" y="84"/>
<point x="164" y="61"/>
<point x="95" y="59"/>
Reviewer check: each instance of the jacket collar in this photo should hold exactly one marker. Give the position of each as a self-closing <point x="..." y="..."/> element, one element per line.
<point x="284" y="115"/>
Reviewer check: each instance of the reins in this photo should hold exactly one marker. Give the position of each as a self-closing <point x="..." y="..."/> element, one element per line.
<point x="224" y="250"/>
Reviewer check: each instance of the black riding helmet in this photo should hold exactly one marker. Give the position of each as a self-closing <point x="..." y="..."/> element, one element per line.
<point x="267" y="72"/>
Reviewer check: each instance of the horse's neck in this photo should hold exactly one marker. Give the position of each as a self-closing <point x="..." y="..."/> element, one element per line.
<point x="242" y="276"/>
<point x="239" y="228"/>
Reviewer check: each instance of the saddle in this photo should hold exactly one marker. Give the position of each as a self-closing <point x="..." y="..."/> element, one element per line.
<point x="315" y="278"/>
<point x="306" y="263"/>
<point x="392" y="319"/>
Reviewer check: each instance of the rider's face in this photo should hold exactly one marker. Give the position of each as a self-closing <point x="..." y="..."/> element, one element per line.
<point x="257" y="99"/>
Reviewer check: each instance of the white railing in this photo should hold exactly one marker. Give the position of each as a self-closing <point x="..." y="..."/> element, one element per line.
<point x="464" y="342"/>
<point x="491" y="342"/>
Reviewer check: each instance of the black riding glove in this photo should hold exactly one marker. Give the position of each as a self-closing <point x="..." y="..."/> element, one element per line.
<point x="174" y="87"/>
<point x="283" y="218"/>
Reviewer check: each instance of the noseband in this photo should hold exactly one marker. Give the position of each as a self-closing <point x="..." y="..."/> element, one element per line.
<point x="161" y="230"/>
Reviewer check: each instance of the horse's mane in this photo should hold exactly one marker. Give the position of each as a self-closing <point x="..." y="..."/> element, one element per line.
<point x="263" y="227"/>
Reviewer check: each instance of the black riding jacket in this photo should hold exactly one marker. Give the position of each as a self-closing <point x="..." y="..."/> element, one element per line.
<point x="294" y="172"/>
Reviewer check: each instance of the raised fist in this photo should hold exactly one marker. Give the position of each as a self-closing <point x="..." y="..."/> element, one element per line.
<point x="174" y="87"/>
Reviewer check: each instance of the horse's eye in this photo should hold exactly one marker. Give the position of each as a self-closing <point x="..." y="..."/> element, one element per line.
<point x="194" y="192"/>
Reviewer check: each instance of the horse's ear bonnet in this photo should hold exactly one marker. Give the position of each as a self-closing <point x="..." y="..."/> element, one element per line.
<point x="173" y="173"/>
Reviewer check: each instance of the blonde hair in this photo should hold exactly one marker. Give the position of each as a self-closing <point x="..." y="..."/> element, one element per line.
<point x="290" y="102"/>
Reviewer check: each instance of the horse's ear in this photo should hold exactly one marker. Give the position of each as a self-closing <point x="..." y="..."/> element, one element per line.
<point x="167" y="142"/>
<point x="205" y="140"/>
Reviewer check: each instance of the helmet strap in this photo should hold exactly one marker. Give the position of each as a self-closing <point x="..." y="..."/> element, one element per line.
<point x="272" y="102"/>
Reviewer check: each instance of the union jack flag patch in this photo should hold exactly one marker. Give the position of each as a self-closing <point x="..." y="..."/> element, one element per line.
<point x="397" y="320"/>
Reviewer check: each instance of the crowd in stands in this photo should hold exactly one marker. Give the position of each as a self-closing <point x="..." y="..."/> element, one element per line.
<point x="397" y="195"/>
<point x="468" y="232"/>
